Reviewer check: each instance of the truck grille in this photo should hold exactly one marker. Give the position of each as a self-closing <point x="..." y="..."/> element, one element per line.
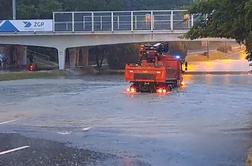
<point x="140" y="76"/>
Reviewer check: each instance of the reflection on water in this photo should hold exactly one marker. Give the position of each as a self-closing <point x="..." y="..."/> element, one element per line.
<point x="221" y="79"/>
<point x="219" y="66"/>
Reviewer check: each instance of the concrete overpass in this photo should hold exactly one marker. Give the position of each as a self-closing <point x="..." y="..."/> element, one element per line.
<point x="79" y="29"/>
<point x="63" y="41"/>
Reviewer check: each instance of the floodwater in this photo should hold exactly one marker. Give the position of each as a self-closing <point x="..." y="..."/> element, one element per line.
<point x="207" y="122"/>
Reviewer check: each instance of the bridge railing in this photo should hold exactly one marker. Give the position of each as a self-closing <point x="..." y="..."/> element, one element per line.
<point x="110" y="21"/>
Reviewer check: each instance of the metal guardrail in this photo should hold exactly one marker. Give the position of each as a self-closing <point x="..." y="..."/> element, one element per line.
<point x="110" y="21"/>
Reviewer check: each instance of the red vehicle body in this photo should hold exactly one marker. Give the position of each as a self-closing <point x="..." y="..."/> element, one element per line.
<point x="155" y="72"/>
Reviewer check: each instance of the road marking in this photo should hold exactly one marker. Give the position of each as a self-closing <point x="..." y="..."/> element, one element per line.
<point x="86" y="129"/>
<point x="13" y="150"/>
<point x="65" y="132"/>
<point x="8" y="121"/>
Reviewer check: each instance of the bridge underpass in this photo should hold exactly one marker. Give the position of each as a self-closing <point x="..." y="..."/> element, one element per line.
<point x="84" y="29"/>
<point x="17" y="55"/>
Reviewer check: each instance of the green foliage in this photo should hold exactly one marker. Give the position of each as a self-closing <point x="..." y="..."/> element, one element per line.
<point x="117" y="55"/>
<point x="224" y="19"/>
<point x="37" y="9"/>
<point x="120" y="55"/>
<point x="30" y="75"/>
<point x="5" y="9"/>
<point x="88" y="5"/>
<point x="155" y="4"/>
<point x="27" y="9"/>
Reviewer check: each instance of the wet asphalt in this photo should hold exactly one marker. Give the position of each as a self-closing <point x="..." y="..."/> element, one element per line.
<point x="44" y="152"/>
<point x="91" y="120"/>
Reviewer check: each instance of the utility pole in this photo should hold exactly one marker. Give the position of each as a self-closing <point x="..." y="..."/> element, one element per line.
<point x="14" y="13"/>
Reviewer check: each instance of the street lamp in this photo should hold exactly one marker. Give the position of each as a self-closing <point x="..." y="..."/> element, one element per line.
<point x="14" y="13"/>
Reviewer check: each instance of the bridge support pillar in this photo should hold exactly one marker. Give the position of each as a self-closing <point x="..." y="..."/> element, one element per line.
<point x="78" y="57"/>
<point x="74" y="54"/>
<point x="61" y="58"/>
<point x="83" y="59"/>
<point x="21" y="55"/>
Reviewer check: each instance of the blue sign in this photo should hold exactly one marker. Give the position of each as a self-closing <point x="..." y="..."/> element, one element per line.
<point x="7" y="26"/>
<point x="26" y="26"/>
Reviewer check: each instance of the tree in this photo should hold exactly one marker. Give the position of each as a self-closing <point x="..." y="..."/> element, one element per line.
<point x="90" y="5"/>
<point x="41" y="9"/>
<point x="155" y="5"/>
<point x="119" y="55"/>
<point x="5" y="9"/>
<point x="224" y="19"/>
<point x="37" y="9"/>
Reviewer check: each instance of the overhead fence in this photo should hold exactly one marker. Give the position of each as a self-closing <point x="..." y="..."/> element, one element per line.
<point x="110" y="21"/>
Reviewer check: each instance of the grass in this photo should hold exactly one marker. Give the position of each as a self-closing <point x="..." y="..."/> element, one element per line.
<point x="30" y="75"/>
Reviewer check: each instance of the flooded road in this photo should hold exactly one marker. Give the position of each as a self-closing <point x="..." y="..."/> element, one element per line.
<point x="207" y="122"/>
